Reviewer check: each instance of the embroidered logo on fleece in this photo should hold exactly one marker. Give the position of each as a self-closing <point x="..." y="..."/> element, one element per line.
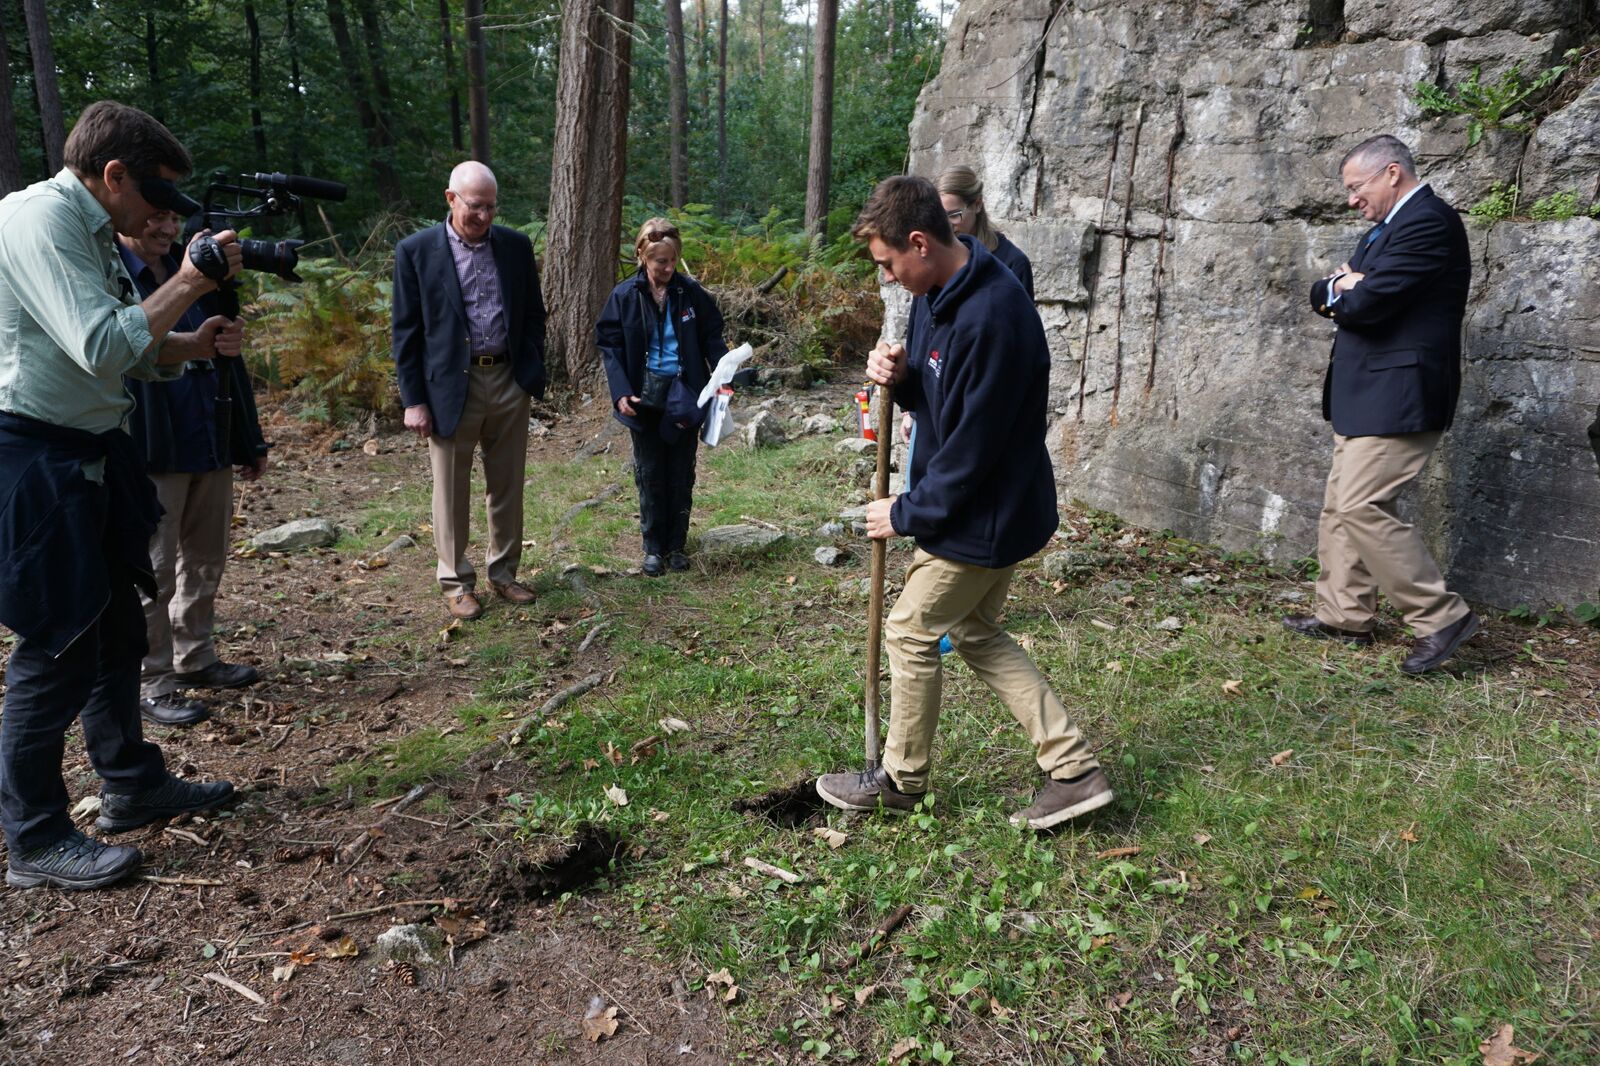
<point x="934" y="364"/>
<point x="688" y="315"/>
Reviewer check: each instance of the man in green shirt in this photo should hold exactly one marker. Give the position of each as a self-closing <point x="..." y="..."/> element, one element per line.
<point x="76" y="510"/>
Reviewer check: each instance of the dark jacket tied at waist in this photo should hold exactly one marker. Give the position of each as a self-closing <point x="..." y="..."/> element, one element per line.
<point x="64" y="537"/>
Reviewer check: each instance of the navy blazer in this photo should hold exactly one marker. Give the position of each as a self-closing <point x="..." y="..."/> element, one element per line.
<point x="431" y="339"/>
<point x="1396" y="362"/>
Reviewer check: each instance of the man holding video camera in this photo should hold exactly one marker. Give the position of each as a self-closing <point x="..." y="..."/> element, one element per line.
<point x="76" y="511"/>
<point x="192" y="432"/>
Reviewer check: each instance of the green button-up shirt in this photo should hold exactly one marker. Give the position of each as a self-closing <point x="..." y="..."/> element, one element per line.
<point x="70" y="320"/>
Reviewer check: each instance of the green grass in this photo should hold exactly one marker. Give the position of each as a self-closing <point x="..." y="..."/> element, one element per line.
<point x="1419" y="870"/>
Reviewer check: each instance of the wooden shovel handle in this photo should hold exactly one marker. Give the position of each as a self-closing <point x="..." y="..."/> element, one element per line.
<point x="879" y="550"/>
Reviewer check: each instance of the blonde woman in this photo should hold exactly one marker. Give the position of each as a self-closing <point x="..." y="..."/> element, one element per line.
<point x="659" y="336"/>
<point x="961" y="192"/>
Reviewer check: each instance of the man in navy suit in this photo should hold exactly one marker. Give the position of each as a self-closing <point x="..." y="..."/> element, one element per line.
<point x="1390" y="392"/>
<point x="468" y="352"/>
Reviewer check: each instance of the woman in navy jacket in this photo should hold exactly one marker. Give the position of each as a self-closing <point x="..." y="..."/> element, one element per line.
<point x="961" y="192"/>
<point x="659" y="335"/>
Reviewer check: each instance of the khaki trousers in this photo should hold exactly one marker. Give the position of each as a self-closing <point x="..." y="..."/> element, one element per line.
<point x="495" y="420"/>
<point x="1363" y="546"/>
<point x="187" y="551"/>
<point x="965" y="601"/>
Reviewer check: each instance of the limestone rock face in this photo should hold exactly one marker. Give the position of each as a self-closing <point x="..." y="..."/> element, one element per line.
<point x="1176" y="187"/>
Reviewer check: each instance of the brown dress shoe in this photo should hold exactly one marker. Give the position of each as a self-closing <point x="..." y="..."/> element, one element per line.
<point x="464" y="606"/>
<point x="513" y="591"/>
<point x="1311" y="626"/>
<point x="1430" y="652"/>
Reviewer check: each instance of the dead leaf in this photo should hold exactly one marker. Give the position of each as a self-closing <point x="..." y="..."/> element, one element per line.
<point x="591" y="764"/>
<point x="722" y="977"/>
<point x="1202" y="839"/>
<point x="600" y="1021"/>
<point x="1107" y="626"/>
<point x="1024" y="641"/>
<point x="343" y="948"/>
<point x="617" y="795"/>
<point x="675" y="725"/>
<point x="1409" y="835"/>
<point x="658" y="816"/>
<point x="283" y="972"/>
<point x="450" y="632"/>
<point x="1120" y="1000"/>
<point x="1499" y="1051"/>
<point x="462" y="929"/>
<point x="1308" y="893"/>
<point x="1282" y="756"/>
<point x="370" y="446"/>
<point x="997" y="1010"/>
<point x="835" y="1003"/>
<point x="302" y="958"/>
<point x="902" y="1048"/>
<point x="1096" y="943"/>
<point x="1233" y="687"/>
<point x="643" y="749"/>
<point x="1119" y="853"/>
<point x="834" y="838"/>
<point x="864" y="993"/>
<point x="1115" y="666"/>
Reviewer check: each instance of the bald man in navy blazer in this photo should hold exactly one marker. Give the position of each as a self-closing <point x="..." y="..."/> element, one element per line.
<point x="468" y="352"/>
<point x="1390" y="393"/>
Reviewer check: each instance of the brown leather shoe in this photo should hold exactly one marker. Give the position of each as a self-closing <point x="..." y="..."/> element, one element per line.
<point x="1311" y="626"/>
<point x="1430" y="652"/>
<point x="464" y="606"/>
<point x="513" y="591"/>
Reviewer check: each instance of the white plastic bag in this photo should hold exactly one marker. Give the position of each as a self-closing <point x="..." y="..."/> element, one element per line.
<point x="722" y="373"/>
<point x="719" y="419"/>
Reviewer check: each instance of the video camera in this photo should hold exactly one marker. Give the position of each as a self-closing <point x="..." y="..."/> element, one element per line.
<point x="271" y="195"/>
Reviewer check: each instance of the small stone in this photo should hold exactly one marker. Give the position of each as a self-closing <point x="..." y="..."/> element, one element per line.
<point x="829" y="556"/>
<point x="413" y="944"/>
<point x="400" y="543"/>
<point x="765" y="430"/>
<point x="1127" y="540"/>
<point x="856" y="445"/>
<point x="1170" y="624"/>
<point x="301" y="533"/>
<point x="818" y="424"/>
<point x="785" y="377"/>
<point x="1291" y="596"/>
<point x="537" y="428"/>
<point x="1193" y="581"/>
<point x="728" y="540"/>
<point x="1058" y="566"/>
<point x="831" y="529"/>
<point x="853" y="514"/>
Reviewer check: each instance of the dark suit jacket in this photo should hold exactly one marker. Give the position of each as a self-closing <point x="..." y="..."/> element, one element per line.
<point x="431" y="340"/>
<point x="1396" y="363"/>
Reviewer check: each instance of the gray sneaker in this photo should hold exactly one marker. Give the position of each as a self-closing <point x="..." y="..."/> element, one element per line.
<point x="73" y="862"/>
<point x="120" y="812"/>
<point x="1059" y="801"/>
<point x="868" y="790"/>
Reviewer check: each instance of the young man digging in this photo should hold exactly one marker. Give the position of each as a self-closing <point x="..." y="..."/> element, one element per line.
<point x="976" y="376"/>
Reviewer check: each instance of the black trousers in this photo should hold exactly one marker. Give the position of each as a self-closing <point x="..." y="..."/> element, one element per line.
<point x="96" y="680"/>
<point x="665" y="476"/>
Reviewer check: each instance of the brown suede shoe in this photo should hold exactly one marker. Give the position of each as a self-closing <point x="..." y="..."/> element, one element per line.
<point x="1311" y="626"/>
<point x="1431" y="651"/>
<point x="1059" y="801"/>
<point x="464" y="606"/>
<point x="513" y="591"/>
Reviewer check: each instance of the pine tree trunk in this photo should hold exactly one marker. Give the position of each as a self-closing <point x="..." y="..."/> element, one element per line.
<point x="258" y="129"/>
<point x="761" y="37"/>
<point x="701" y="51"/>
<point x="678" y="105"/>
<point x="297" y="110"/>
<point x="819" y="166"/>
<point x="52" y="126"/>
<point x="477" y="82"/>
<point x="588" y="164"/>
<point x="10" y="152"/>
<point x="378" y="154"/>
<point x="722" y="111"/>
<point x="152" y="67"/>
<point x="447" y="37"/>
<point x="383" y="99"/>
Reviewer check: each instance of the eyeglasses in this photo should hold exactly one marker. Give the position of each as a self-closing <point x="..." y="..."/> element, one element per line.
<point x="476" y="207"/>
<point x="956" y="216"/>
<point x="1355" y="190"/>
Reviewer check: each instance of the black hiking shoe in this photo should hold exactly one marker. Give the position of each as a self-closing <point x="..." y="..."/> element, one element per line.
<point x="120" y="812"/>
<point x="1059" y="801"/>
<point x="73" y="862"/>
<point x="868" y="790"/>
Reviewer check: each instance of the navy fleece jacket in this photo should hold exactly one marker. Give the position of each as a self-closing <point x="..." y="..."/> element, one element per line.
<point x="977" y="379"/>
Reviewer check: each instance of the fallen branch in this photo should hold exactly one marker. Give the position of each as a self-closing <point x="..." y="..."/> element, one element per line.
<point x="583" y="505"/>
<point x="356" y="848"/>
<point x="227" y="982"/>
<point x="772" y="282"/>
<point x="894" y="920"/>
<point x="594" y="631"/>
<point x="367" y="912"/>
<point x="193" y="882"/>
<point x="530" y="722"/>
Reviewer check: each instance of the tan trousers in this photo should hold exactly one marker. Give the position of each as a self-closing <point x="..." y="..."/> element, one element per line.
<point x="188" y="551"/>
<point x="1364" y="546"/>
<point x="965" y="601"/>
<point x="495" y="420"/>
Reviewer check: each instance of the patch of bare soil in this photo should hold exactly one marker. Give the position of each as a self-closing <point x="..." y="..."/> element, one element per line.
<point x="254" y="936"/>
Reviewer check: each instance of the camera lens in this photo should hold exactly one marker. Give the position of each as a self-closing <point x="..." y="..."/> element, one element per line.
<point x="271" y="257"/>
